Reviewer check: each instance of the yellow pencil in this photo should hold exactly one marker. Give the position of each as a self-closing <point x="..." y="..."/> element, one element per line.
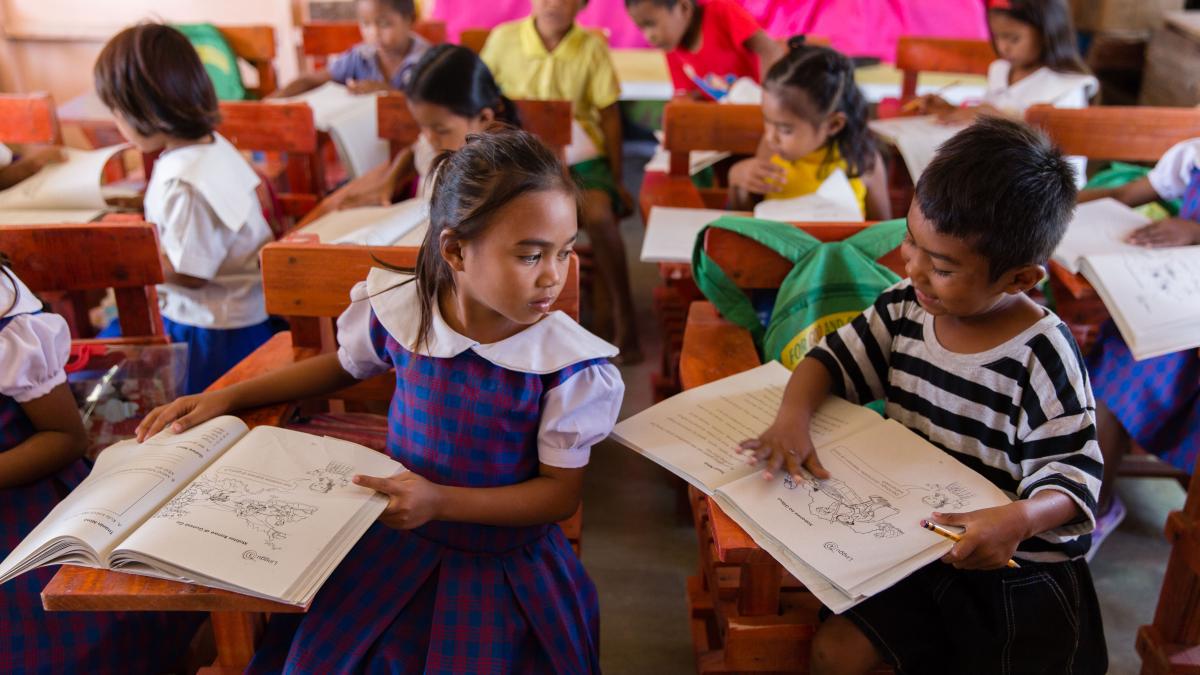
<point x="915" y="103"/>
<point x="938" y="529"/>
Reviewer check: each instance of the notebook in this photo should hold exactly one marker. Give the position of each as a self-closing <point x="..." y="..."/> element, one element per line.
<point x="64" y="192"/>
<point x="916" y="138"/>
<point x="350" y="120"/>
<point x="671" y="232"/>
<point x="1100" y="226"/>
<point x="373" y="225"/>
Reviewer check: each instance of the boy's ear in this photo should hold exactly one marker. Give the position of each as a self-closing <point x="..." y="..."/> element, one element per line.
<point x="487" y="116"/>
<point x="452" y="250"/>
<point x="1024" y="278"/>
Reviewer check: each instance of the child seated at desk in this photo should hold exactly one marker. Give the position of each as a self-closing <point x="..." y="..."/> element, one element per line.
<point x="15" y="168"/>
<point x="383" y="60"/>
<point x="709" y="45"/>
<point x="815" y="121"/>
<point x="962" y="356"/>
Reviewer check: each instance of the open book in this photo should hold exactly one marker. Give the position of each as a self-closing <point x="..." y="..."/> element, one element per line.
<point x="401" y="224"/>
<point x="268" y="512"/>
<point x="351" y="122"/>
<point x="65" y="192"/>
<point x="1151" y="295"/>
<point x="834" y="201"/>
<point x="1100" y="226"/>
<point x="917" y="139"/>
<point x="671" y="232"/>
<point x="846" y="537"/>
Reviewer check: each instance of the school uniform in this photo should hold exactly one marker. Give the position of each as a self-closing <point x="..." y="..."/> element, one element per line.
<point x="722" y="56"/>
<point x="210" y="224"/>
<point x="34" y="346"/>
<point x="361" y="63"/>
<point x="804" y="176"/>
<point x="462" y="597"/>
<point x="1157" y="400"/>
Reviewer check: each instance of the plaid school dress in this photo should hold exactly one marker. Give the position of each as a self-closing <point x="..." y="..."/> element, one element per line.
<point x="33" y="640"/>
<point x="457" y="597"/>
<point x="1158" y="399"/>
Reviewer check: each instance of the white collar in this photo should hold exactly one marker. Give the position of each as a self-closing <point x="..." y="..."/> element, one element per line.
<point x="219" y="173"/>
<point x="27" y="302"/>
<point x="547" y="346"/>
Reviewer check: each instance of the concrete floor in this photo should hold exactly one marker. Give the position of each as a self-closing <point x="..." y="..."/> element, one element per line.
<point x="640" y="551"/>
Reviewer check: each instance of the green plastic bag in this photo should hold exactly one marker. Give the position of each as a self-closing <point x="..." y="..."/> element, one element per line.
<point x="218" y="58"/>
<point x="830" y="283"/>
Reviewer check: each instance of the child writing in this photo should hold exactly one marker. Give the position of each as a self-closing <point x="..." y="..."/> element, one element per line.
<point x="498" y="400"/>
<point x="709" y="46"/>
<point x="546" y="56"/>
<point x="201" y="195"/>
<point x="42" y="440"/>
<point x="383" y="60"/>
<point x="962" y="356"/>
<point x="815" y="121"/>
<point x="1155" y="402"/>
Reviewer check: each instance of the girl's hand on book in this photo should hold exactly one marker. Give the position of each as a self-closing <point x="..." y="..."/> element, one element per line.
<point x="412" y="500"/>
<point x="1166" y="233"/>
<point x="991" y="537"/>
<point x="757" y="175"/>
<point x="783" y="446"/>
<point x="184" y="413"/>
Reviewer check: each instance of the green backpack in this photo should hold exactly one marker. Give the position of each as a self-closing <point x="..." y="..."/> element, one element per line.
<point x="218" y="59"/>
<point x="830" y="283"/>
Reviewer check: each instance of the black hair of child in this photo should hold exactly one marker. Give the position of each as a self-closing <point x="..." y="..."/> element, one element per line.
<point x="1052" y="20"/>
<point x="405" y="8"/>
<point x="1004" y="188"/>
<point x="455" y="78"/>
<point x="153" y="77"/>
<point x="825" y="76"/>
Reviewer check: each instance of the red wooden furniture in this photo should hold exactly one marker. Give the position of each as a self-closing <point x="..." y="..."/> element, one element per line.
<point x="286" y="134"/>
<point x="256" y="46"/>
<point x="28" y="118"/>
<point x="915" y="55"/>
<point x="323" y="39"/>
<point x="1170" y="645"/>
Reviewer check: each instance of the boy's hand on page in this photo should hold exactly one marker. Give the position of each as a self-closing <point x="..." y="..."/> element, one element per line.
<point x="365" y="86"/>
<point x="184" y="413"/>
<point x="991" y="537"/>
<point x="412" y="500"/>
<point x="1166" y="233"/>
<point x="787" y="446"/>
<point x="757" y="175"/>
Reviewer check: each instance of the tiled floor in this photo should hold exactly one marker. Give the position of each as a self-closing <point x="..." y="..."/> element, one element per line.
<point x="640" y="550"/>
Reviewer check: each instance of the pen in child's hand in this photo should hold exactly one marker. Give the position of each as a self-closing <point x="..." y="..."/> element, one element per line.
<point x="914" y="103"/>
<point x="938" y="529"/>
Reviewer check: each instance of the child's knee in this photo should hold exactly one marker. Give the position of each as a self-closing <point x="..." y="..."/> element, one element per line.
<point x="597" y="208"/>
<point x="840" y="648"/>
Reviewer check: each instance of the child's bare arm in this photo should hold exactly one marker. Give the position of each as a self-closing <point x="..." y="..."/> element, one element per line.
<point x="29" y="164"/>
<point x="768" y="50"/>
<point x="302" y="84"/>
<point x="1135" y="193"/>
<point x="379" y="189"/>
<point x="786" y="443"/>
<point x="992" y="535"/>
<point x="60" y="439"/>
<point x="751" y="178"/>
<point x="610" y="123"/>
<point x="879" y="205"/>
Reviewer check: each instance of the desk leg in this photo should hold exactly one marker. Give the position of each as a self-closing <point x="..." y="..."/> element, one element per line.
<point x="759" y="593"/>
<point x="237" y="635"/>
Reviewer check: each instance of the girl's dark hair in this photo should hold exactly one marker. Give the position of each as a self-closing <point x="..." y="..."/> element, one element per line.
<point x="405" y="8"/>
<point x="826" y="77"/>
<point x="455" y="78"/>
<point x="1052" y="20"/>
<point x="152" y="75"/>
<point x="472" y="184"/>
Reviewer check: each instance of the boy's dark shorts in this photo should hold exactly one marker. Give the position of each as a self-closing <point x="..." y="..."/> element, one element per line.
<point x="1042" y="618"/>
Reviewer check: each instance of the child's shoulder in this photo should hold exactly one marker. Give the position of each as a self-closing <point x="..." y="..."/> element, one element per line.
<point x="200" y="161"/>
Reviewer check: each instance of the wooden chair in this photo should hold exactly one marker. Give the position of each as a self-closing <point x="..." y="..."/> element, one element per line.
<point x="915" y="55"/>
<point x="28" y="118"/>
<point x="1171" y="643"/>
<point x="256" y="46"/>
<point x="286" y="133"/>
<point x="747" y="613"/>
<point x="323" y="39"/>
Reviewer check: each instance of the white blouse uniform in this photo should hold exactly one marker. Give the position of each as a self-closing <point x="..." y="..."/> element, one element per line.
<point x="1176" y="170"/>
<point x="33" y="346"/>
<point x="576" y="414"/>
<point x="203" y="199"/>
<point x="1044" y="86"/>
<point x="6" y="155"/>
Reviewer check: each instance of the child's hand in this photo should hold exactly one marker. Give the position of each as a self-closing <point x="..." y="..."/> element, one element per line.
<point x="373" y="193"/>
<point x="412" y="500"/>
<point x="991" y="536"/>
<point x="958" y="115"/>
<point x="929" y="104"/>
<point x="758" y="176"/>
<point x="784" y="445"/>
<point x="184" y="413"/>
<point x="365" y="86"/>
<point x="43" y="156"/>
<point x="1168" y="232"/>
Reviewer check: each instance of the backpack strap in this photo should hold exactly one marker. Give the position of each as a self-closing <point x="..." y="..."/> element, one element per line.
<point x="879" y="239"/>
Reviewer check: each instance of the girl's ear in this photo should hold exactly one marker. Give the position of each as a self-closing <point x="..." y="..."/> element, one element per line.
<point x="835" y="123"/>
<point x="452" y="250"/>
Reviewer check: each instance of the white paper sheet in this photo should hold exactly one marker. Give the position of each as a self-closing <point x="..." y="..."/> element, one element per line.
<point x="371" y="225"/>
<point x="917" y="139"/>
<point x="834" y="201"/>
<point x="72" y="185"/>
<point x="1100" y="226"/>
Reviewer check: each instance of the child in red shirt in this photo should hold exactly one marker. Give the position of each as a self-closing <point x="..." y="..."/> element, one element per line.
<point x="708" y="46"/>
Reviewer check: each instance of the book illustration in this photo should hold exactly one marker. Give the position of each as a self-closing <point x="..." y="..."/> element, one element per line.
<point x="833" y="501"/>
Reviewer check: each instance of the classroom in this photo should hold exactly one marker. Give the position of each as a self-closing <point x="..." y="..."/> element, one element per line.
<point x="575" y="336"/>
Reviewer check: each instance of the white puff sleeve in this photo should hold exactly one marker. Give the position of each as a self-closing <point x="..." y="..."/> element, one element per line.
<point x="33" y="350"/>
<point x="193" y="236"/>
<point x="579" y="413"/>
<point x="360" y="337"/>
<point x="1172" y="173"/>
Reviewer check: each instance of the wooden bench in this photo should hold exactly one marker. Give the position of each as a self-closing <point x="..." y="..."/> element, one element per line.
<point x="323" y="39"/>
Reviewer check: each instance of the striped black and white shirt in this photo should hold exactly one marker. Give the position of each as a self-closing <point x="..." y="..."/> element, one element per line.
<point x="1021" y="414"/>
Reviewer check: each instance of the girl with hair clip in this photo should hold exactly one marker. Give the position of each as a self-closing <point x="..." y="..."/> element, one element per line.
<point x="498" y="401"/>
<point x="815" y="121"/>
<point x="202" y="196"/>
<point x="452" y="94"/>
<point x="42" y="440"/>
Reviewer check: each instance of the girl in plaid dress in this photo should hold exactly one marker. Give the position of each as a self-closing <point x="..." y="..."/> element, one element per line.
<point x="42" y="440"/>
<point x="498" y="400"/>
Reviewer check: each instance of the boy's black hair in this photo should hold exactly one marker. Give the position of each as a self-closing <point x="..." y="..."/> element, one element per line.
<point x="1052" y="20"/>
<point x="152" y="75"/>
<point x="405" y="8"/>
<point x="1002" y="187"/>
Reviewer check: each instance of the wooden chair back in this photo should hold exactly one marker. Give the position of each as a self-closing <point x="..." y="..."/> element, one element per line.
<point x="323" y="39"/>
<point x="73" y="262"/>
<point x="28" y="118"/>
<point x="548" y="120"/>
<point x="256" y="46"/>
<point x="915" y="55"/>
<point x="694" y="125"/>
<point x="286" y="133"/>
<point x="1130" y="134"/>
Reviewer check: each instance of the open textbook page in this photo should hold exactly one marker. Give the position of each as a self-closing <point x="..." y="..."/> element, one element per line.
<point x="1100" y="226"/>
<point x="671" y="232"/>
<point x="371" y="225"/>
<point x="350" y="120"/>
<point x="834" y="201"/>
<point x="917" y="139"/>
<point x="67" y="191"/>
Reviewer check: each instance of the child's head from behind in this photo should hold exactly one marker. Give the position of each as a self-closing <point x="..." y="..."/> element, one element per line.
<point x="555" y="16"/>
<point x="386" y="24"/>
<point x="1033" y="33"/>
<point x="989" y="210"/>
<point x="152" y="79"/>
<point x="503" y="222"/>
<point x="810" y="101"/>
<point x="452" y="94"/>
<point x="663" y="23"/>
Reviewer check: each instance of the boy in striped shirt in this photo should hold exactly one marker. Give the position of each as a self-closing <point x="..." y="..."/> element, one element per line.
<point x="961" y="355"/>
